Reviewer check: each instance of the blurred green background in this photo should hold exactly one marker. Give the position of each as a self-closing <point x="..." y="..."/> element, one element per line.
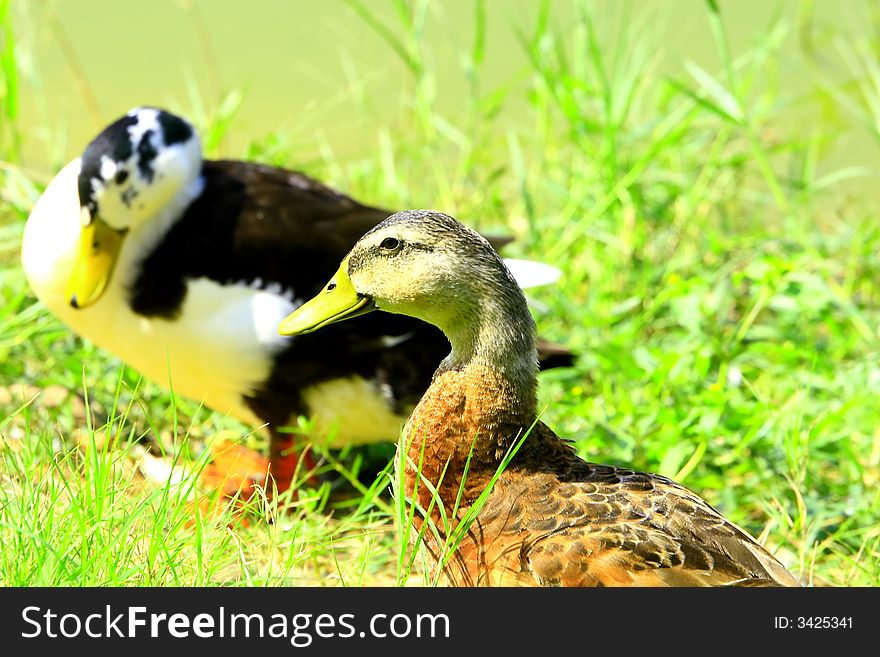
<point x="704" y="173"/>
<point x="316" y="70"/>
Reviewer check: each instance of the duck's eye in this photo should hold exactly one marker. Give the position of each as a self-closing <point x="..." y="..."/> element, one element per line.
<point x="389" y="243"/>
<point x="331" y="287"/>
<point x="121" y="176"/>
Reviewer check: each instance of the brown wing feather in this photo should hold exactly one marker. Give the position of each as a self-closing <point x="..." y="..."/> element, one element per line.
<point x="553" y="519"/>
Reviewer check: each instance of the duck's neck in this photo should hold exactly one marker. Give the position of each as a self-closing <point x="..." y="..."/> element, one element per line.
<point x="498" y="336"/>
<point x="483" y="396"/>
<point x="144" y="237"/>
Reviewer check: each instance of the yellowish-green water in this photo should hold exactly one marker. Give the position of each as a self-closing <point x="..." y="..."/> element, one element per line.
<point x="315" y="68"/>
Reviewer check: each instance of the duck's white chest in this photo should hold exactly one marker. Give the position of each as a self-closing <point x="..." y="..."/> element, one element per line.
<point x="218" y="349"/>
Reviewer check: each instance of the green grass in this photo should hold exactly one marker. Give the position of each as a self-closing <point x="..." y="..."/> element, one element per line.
<point x="721" y="272"/>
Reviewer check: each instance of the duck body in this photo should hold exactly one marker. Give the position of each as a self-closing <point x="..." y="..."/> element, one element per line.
<point x="550" y="518"/>
<point x="199" y="309"/>
<point x="200" y="261"/>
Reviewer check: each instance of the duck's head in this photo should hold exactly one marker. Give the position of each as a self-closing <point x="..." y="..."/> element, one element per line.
<point x="128" y="175"/>
<point x="427" y="265"/>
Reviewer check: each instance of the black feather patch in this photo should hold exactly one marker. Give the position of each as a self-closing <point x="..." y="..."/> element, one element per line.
<point x="146" y="154"/>
<point x="174" y="129"/>
<point x="115" y="143"/>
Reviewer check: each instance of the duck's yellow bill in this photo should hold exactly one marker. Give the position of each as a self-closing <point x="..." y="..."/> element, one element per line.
<point x="337" y="301"/>
<point x="99" y="246"/>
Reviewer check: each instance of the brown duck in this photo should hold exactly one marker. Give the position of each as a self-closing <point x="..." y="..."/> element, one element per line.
<point x="550" y="518"/>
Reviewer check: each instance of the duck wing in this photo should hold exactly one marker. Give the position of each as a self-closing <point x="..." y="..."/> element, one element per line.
<point x="553" y="519"/>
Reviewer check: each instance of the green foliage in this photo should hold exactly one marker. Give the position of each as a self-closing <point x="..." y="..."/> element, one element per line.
<point x="9" y="137"/>
<point x="720" y="285"/>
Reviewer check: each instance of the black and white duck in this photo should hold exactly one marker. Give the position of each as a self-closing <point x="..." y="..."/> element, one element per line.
<point x="183" y="267"/>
